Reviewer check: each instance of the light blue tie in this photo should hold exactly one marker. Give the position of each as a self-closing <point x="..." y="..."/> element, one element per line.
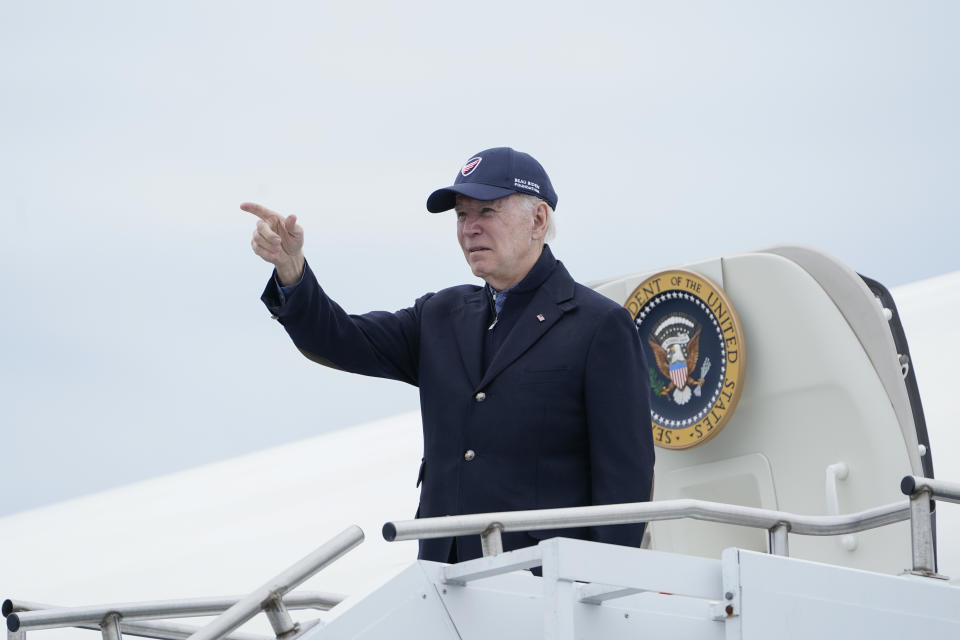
<point x="498" y="299"/>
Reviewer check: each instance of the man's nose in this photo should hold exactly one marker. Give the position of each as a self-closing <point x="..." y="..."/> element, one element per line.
<point x="471" y="225"/>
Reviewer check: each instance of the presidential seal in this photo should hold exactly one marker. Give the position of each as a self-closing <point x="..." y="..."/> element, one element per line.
<point x="694" y="345"/>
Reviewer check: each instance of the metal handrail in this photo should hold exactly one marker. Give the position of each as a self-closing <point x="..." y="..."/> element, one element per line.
<point x="155" y="630"/>
<point x="32" y="615"/>
<point x="268" y="597"/>
<point x="271" y="598"/>
<point x="775" y="522"/>
<point x="938" y="489"/>
<point x="922" y="492"/>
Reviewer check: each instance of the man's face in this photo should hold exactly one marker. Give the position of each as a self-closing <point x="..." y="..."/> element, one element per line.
<point x="501" y="239"/>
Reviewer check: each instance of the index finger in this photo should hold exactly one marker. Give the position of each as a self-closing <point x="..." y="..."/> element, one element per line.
<point x="267" y="215"/>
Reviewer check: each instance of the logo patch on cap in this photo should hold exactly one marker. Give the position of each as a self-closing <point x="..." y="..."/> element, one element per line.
<point x="529" y="185"/>
<point x="472" y="164"/>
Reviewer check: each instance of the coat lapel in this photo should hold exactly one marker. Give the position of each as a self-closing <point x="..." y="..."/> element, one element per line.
<point x="551" y="301"/>
<point x="469" y="324"/>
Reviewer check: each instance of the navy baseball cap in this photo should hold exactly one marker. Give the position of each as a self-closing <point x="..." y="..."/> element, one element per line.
<point x="492" y="174"/>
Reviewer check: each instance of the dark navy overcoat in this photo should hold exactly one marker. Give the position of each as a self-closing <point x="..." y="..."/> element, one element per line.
<point x="559" y="418"/>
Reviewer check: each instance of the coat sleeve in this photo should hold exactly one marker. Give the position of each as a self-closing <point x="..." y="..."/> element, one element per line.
<point x="617" y="397"/>
<point x="379" y="343"/>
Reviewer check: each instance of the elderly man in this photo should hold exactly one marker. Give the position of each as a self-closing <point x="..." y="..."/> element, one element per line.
<point x="533" y="388"/>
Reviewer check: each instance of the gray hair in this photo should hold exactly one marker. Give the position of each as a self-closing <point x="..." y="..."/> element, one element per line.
<point x="530" y="202"/>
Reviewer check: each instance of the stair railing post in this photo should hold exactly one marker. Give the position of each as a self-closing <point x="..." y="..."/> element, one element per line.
<point x="778" y="541"/>
<point x="491" y="542"/>
<point x="110" y="627"/>
<point x="283" y="625"/>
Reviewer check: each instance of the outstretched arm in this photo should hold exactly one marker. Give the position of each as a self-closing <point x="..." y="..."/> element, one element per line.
<point x="376" y="344"/>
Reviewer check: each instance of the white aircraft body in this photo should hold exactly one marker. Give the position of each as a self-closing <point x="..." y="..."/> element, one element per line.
<point x="225" y="528"/>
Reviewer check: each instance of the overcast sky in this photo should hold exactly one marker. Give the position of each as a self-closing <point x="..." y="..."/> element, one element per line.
<point x="134" y="342"/>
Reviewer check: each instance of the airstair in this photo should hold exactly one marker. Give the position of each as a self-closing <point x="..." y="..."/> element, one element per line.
<point x="587" y="589"/>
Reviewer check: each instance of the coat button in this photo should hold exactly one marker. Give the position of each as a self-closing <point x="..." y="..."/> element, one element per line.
<point x="480" y="397"/>
<point x="469" y="455"/>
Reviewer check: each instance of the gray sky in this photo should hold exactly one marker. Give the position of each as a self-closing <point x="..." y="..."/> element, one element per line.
<point x="133" y="341"/>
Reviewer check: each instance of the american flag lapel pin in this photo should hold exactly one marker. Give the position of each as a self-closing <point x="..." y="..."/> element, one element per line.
<point x="540" y="317"/>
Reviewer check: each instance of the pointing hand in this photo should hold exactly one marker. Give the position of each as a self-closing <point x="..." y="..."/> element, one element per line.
<point x="278" y="240"/>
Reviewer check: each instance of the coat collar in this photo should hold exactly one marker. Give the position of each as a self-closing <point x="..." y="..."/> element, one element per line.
<point x="553" y="299"/>
<point x="538" y="273"/>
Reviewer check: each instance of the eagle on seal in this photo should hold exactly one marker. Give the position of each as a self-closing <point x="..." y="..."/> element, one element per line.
<point x="676" y="357"/>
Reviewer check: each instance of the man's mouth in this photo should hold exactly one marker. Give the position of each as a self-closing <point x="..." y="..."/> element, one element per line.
<point x="476" y="249"/>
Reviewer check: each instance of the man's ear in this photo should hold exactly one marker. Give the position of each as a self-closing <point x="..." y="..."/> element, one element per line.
<point x="541" y="215"/>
